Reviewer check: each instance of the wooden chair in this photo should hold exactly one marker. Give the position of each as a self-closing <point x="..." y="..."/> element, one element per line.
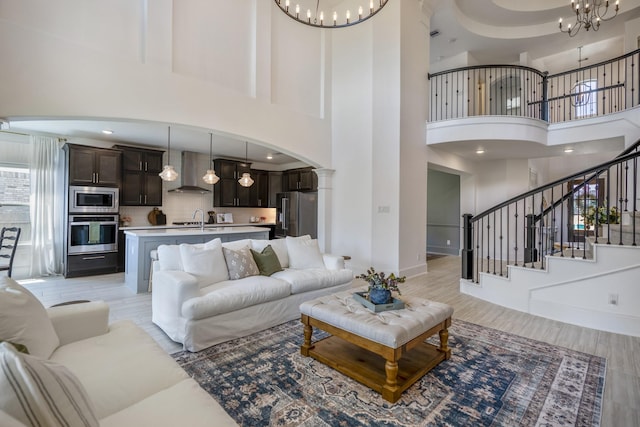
<point x="8" y="243"/>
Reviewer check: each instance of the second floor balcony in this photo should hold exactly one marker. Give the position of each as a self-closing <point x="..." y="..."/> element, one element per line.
<point x="512" y="102"/>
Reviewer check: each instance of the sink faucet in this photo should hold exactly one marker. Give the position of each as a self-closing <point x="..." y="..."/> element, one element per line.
<point x="201" y="218"/>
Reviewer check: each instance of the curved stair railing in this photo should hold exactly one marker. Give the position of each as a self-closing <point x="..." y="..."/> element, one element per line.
<point x="563" y="218"/>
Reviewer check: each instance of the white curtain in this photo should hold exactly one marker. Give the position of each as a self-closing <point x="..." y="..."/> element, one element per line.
<point x="47" y="206"/>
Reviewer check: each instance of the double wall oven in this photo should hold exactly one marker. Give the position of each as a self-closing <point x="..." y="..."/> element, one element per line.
<point x="92" y="230"/>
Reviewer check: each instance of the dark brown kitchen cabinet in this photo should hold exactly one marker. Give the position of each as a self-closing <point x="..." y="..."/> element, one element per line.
<point x="93" y="166"/>
<point x="260" y="188"/>
<point x="300" y="180"/>
<point x="141" y="184"/>
<point x="228" y="192"/>
<point x="275" y="187"/>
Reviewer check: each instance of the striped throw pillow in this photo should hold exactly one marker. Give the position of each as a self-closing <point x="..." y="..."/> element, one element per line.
<point x="39" y="392"/>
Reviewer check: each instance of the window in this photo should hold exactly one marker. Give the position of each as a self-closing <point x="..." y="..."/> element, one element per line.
<point x="584" y="98"/>
<point x="15" y="191"/>
<point x="588" y="195"/>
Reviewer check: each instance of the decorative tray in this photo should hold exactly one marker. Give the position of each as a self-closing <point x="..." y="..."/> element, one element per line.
<point x="376" y="308"/>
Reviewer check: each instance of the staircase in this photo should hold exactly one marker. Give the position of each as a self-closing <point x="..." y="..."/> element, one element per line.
<point x="542" y="253"/>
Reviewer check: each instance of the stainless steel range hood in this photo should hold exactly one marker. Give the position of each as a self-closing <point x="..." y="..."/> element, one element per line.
<point x="189" y="175"/>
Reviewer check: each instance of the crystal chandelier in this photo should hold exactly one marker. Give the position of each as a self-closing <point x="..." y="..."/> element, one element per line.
<point x="589" y="15"/>
<point x="330" y="14"/>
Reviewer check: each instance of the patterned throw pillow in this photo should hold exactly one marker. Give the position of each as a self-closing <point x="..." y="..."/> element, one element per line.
<point x="42" y="393"/>
<point x="240" y="263"/>
<point x="267" y="261"/>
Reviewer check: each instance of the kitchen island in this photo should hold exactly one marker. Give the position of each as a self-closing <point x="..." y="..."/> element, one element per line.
<point x="140" y="243"/>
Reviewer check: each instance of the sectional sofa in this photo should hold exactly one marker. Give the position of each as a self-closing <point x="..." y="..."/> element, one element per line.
<point x="204" y="294"/>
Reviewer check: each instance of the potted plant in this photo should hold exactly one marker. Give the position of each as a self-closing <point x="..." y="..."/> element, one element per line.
<point x="601" y="215"/>
<point x="381" y="285"/>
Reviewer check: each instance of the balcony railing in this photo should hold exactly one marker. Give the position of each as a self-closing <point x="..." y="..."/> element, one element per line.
<point x="513" y="90"/>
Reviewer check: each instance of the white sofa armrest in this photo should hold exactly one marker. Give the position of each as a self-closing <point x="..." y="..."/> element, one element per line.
<point x="171" y="288"/>
<point x="333" y="262"/>
<point x="76" y="322"/>
<point x="7" y="420"/>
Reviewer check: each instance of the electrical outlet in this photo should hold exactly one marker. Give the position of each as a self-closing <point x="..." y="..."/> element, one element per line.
<point x="613" y="299"/>
<point x="418" y="256"/>
<point x="448" y="242"/>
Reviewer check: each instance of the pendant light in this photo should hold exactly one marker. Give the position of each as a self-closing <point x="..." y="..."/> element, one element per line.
<point x="168" y="172"/>
<point x="246" y="180"/>
<point x="210" y="177"/>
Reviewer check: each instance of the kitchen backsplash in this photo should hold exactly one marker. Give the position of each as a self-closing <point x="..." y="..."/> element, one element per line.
<point x="181" y="206"/>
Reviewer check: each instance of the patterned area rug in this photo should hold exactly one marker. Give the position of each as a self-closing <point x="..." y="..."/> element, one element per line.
<point x="492" y="379"/>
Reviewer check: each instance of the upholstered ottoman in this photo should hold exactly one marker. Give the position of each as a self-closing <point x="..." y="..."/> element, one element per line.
<point x="385" y="351"/>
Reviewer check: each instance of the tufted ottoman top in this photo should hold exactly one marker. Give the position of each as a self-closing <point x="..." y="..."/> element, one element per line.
<point x="391" y="328"/>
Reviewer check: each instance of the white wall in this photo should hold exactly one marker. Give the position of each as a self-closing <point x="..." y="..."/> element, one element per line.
<point x="379" y="112"/>
<point x="174" y="62"/>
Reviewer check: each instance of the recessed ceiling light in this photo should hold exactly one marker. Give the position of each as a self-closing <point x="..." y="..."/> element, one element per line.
<point x="269" y="156"/>
<point x="479" y="151"/>
<point x="107" y="131"/>
<point x="568" y="150"/>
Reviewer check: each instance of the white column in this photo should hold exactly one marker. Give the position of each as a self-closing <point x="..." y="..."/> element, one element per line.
<point x="325" y="186"/>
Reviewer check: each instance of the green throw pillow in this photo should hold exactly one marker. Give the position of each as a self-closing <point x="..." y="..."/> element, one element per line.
<point x="19" y="347"/>
<point x="267" y="261"/>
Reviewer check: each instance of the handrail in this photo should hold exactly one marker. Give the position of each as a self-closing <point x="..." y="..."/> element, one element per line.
<point x="568" y="178"/>
<point x="479" y="67"/>
<point x="584" y="182"/>
<point x="599" y="64"/>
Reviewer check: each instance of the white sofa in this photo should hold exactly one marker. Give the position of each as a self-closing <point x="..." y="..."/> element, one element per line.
<point x="125" y="378"/>
<point x="198" y="304"/>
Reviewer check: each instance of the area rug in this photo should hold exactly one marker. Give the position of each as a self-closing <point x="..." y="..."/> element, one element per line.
<point x="492" y="379"/>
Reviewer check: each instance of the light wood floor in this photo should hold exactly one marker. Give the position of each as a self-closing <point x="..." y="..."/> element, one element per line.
<point x="621" y="406"/>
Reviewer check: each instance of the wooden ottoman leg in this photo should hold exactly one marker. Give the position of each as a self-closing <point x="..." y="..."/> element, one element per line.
<point x="390" y="391"/>
<point x="308" y="331"/>
<point x="444" y="343"/>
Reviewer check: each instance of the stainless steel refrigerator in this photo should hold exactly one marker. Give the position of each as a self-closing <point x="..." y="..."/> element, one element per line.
<point x="297" y="214"/>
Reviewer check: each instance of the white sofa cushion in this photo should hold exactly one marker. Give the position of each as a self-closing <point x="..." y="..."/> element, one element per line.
<point x="206" y="263"/>
<point x="42" y="393"/>
<point x="240" y="263"/>
<point x="313" y="278"/>
<point x="169" y="257"/>
<point x="237" y="244"/>
<point x="224" y="297"/>
<point x="120" y="368"/>
<point x="304" y="253"/>
<point x="197" y="409"/>
<point x="279" y="247"/>
<point x="24" y="320"/>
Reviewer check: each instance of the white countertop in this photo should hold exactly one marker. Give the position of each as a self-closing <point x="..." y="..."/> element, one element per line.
<point x="206" y="226"/>
<point x="159" y="231"/>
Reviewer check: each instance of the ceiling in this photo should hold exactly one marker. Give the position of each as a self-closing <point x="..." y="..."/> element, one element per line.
<point x="491" y="31"/>
<point x="499" y="31"/>
<point x="518" y="149"/>
<point x="154" y="135"/>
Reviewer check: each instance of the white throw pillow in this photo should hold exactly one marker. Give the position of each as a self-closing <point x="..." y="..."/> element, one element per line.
<point x="236" y="245"/>
<point x="169" y="257"/>
<point x="42" y="393"/>
<point x="304" y="253"/>
<point x="24" y="320"/>
<point x="206" y="263"/>
<point x="279" y="246"/>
